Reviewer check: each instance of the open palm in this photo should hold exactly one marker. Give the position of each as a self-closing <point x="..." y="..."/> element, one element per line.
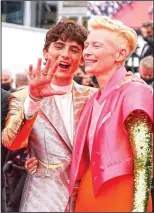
<point x="39" y="85"/>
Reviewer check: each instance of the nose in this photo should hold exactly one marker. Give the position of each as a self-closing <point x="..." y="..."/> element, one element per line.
<point x="65" y="53"/>
<point x="87" y="51"/>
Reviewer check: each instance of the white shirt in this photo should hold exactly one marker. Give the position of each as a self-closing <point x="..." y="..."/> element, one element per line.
<point x="64" y="104"/>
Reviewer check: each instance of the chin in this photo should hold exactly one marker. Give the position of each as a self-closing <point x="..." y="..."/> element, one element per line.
<point x="89" y="71"/>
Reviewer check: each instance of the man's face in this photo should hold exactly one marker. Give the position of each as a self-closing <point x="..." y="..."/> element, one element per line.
<point x="146" y="74"/>
<point x="68" y="54"/>
<point x="6" y="81"/>
<point x="147" y="31"/>
<point x="99" y="51"/>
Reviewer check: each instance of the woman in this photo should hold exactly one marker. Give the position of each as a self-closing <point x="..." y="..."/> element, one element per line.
<point x="115" y="128"/>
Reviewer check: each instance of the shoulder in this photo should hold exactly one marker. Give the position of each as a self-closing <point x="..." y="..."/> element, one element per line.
<point x="5" y="95"/>
<point x="82" y="88"/>
<point x="139" y="88"/>
<point x="21" y="94"/>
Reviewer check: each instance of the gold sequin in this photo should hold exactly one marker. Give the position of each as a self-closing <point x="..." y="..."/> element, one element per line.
<point x="139" y="128"/>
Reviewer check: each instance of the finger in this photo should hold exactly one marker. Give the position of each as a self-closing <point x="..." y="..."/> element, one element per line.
<point x="33" y="170"/>
<point x="38" y="68"/>
<point x="29" y="161"/>
<point x="136" y="79"/>
<point x="47" y="67"/>
<point x="30" y="166"/>
<point x="53" y="69"/>
<point x="31" y="74"/>
<point x="129" y="73"/>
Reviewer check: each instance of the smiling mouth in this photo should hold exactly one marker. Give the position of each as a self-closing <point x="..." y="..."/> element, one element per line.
<point x="90" y="62"/>
<point x="64" y="66"/>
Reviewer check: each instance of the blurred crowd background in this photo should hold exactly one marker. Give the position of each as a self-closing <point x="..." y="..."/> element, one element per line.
<point x="24" y="25"/>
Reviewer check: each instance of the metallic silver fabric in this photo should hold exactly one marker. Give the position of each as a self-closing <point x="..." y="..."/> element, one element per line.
<point x="47" y="189"/>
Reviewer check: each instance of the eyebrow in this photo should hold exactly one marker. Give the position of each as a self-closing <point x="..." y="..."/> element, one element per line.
<point x="93" y="42"/>
<point x="59" y="42"/>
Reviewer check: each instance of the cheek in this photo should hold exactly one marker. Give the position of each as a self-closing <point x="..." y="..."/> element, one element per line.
<point x="76" y="60"/>
<point x="54" y="54"/>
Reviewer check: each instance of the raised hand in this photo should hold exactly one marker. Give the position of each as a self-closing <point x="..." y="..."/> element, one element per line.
<point x="39" y="85"/>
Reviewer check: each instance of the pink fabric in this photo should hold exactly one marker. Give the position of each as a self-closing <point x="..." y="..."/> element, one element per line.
<point x="111" y="152"/>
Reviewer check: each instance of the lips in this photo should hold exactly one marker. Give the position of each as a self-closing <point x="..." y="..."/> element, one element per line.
<point x="64" y="65"/>
<point x="90" y="61"/>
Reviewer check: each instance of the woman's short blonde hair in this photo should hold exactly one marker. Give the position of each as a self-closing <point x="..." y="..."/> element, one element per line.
<point x="128" y="35"/>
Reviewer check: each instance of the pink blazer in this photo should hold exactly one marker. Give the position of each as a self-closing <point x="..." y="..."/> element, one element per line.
<point x="111" y="152"/>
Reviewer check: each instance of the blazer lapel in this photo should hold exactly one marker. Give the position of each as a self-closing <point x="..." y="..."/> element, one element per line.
<point x="80" y="97"/>
<point x="50" y="109"/>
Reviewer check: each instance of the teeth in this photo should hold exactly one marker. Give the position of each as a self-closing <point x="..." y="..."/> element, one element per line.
<point x="90" y="62"/>
<point x="63" y="63"/>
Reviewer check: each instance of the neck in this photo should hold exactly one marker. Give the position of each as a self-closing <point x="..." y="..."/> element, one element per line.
<point x="104" y="77"/>
<point x="62" y="81"/>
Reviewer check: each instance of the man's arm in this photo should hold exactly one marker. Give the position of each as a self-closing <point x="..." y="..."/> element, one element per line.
<point x="17" y="129"/>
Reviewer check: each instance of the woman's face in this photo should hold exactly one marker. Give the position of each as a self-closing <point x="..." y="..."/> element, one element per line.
<point x="100" y="51"/>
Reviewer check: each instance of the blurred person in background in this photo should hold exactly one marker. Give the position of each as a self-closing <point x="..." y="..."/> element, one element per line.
<point x="5" y="96"/>
<point x="146" y="70"/>
<point x="84" y="79"/>
<point x="21" y="80"/>
<point x="78" y="75"/>
<point x="147" y="31"/>
<point x="90" y="81"/>
<point x="7" y="81"/>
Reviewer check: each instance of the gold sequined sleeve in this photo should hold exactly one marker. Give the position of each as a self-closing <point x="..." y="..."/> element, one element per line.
<point x="139" y="128"/>
<point x="17" y="128"/>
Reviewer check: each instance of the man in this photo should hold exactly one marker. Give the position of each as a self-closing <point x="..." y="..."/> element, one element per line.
<point x="52" y="118"/>
<point x="146" y="70"/>
<point x="112" y="153"/>
<point x="21" y="80"/>
<point x="7" y="81"/>
<point x="55" y="117"/>
<point x="147" y="33"/>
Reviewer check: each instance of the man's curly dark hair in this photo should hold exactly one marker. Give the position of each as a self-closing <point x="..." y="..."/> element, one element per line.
<point x="66" y="30"/>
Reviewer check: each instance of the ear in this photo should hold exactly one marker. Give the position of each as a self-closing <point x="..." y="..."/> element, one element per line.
<point x="121" y="55"/>
<point x="82" y="61"/>
<point x="45" y="54"/>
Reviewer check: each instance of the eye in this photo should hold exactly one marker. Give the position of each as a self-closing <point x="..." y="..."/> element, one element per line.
<point x="97" y="45"/>
<point x="75" y="50"/>
<point x="85" y="46"/>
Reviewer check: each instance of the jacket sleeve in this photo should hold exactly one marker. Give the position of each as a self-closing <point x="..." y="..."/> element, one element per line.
<point x="17" y="128"/>
<point x="139" y="128"/>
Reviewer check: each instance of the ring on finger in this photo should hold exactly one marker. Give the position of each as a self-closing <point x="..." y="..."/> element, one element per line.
<point x="44" y="73"/>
